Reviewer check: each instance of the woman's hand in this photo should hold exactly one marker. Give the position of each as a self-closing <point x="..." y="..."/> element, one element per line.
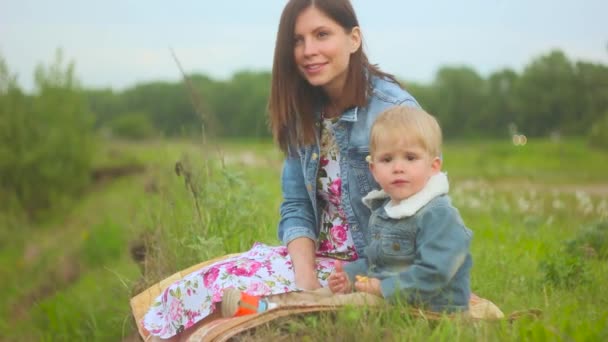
<point x="369" y="285"/>
<point x="338" y="280"/>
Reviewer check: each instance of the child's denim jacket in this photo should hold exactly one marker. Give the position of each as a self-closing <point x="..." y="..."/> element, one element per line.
<point x="299" y="211"/>
<point x="419" y="249"/>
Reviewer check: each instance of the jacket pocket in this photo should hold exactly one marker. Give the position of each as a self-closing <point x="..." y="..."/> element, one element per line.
<point x="398" y="247"/>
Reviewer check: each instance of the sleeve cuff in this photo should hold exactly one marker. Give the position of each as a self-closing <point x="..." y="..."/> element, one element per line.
<point x="298" y="232"/>
<point x="354" y="268"/>
<point x="388" y="287"/>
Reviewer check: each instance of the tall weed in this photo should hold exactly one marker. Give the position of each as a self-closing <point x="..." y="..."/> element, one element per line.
<point x="206" y="209"/>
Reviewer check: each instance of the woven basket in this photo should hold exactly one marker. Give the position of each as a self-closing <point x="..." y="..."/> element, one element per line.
<point x="141" y="302"/>
<point x="322" y="300"/>
<point x="292" y="303"/>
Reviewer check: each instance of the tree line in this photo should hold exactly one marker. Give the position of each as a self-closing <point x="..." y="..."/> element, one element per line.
<point x="551" y="95"/>
<point x="48" y="137"/>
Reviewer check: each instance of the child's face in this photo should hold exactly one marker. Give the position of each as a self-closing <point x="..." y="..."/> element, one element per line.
<point x="402" y="168"/>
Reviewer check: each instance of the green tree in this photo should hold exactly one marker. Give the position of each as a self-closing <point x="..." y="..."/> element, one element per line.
<point x="499" y="110"/>
<point x="424" y="94"/>
<point x="202" y="92"/>
<point x="592" y="88"/>
<point x="241" y="104"/>
<point x="547" y="96"/>
<point x="460" y="97"/>
<point x="167" y="105"/>
<point x="46" y="141"/>
<point x="134" y="126"/>
<point x="105" y="104"/>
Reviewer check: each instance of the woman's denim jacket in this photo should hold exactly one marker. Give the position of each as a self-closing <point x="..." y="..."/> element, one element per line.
<point x="299" y="211"/>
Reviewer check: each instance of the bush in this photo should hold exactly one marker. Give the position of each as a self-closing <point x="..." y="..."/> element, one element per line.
<point x="591" y="241"/>
<point x="598" y="135"/>
<point x="563" y="270"/>
<point x="569" y="268"/>
<point x="135" y="126"/>
<point x="46" y="140"/>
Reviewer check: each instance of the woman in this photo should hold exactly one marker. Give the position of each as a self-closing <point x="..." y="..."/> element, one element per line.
<point x="325" y="96"/>
<point x="321" y="76"/>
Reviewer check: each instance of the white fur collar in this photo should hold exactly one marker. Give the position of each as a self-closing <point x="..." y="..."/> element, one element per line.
<point x="436" y="186"/>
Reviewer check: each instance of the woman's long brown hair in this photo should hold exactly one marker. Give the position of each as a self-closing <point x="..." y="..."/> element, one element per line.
<point x="292" y="99"/>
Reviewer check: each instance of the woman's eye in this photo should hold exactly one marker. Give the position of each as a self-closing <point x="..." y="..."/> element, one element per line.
<point x="298" y="40"/>
<point x="322" y="34"/>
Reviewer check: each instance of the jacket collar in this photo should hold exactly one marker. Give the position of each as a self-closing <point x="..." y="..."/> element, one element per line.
<point x="436" y="186"/>
<point x="350" y="115"/>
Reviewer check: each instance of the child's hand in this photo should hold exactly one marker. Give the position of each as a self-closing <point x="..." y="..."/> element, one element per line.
<point x="369" y="285"/>
<point x="338" y="280"/>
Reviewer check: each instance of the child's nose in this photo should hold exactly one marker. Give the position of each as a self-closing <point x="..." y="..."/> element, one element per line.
<point x="398" y="166"/>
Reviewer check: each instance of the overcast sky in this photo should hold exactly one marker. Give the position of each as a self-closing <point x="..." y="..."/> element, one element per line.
<point x="117" y="43"/>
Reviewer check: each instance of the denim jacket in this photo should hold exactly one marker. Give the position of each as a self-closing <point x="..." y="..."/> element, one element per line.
<point x="299" y="209"/>
<point x="420" y="256"/>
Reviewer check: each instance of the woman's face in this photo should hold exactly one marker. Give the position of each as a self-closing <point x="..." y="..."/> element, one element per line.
<point x="322" y="50"/>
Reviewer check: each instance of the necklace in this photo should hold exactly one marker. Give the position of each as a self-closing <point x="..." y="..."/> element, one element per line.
<point x="330" y="112"/>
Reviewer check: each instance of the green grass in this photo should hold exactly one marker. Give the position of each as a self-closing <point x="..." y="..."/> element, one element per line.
<point x="540" y="161"/>
<point x="529" y="207"/>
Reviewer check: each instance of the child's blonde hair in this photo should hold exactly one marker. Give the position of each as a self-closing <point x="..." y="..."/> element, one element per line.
<point x="404" y="122"/>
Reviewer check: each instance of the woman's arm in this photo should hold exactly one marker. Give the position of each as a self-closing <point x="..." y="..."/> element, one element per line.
<point x="297" y="217"/>
<point x="302" y="253"/>
<point x="297" y="224"/>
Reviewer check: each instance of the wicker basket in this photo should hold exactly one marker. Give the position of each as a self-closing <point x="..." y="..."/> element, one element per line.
<point x="141" y="302"/>
<point x="289" y="304"/>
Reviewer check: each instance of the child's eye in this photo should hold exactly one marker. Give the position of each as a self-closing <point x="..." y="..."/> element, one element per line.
<point x="386" y="159"/>
<point x="411" y="157"/>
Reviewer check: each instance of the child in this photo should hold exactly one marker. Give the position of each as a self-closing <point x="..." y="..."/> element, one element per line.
<point x="418" y="247"/>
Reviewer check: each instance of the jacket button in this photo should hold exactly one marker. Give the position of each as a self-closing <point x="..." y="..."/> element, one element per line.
<point x="314" y="156"/>
<point x="396" y="246"/>
<point x="308" y="187"/>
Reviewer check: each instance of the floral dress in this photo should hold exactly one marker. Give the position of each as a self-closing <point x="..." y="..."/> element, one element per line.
<point x="263" y="270"/>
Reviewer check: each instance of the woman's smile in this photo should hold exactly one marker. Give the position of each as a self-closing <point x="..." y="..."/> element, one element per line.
<point x="314" y="68"/>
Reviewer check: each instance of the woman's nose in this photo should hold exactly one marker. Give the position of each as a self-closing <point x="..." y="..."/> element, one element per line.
<point x="310" y="47"/>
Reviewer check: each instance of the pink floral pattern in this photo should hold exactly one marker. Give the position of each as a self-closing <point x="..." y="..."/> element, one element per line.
<point x="262" y="270"/>
<point x="335" y="240"/>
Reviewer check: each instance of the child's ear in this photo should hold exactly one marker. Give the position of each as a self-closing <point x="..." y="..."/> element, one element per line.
<point x="370" y="164"/>
<point x="436" y="165"/>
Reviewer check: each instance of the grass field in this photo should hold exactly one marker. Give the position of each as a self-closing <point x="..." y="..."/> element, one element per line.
<point x="539" y="214"/>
